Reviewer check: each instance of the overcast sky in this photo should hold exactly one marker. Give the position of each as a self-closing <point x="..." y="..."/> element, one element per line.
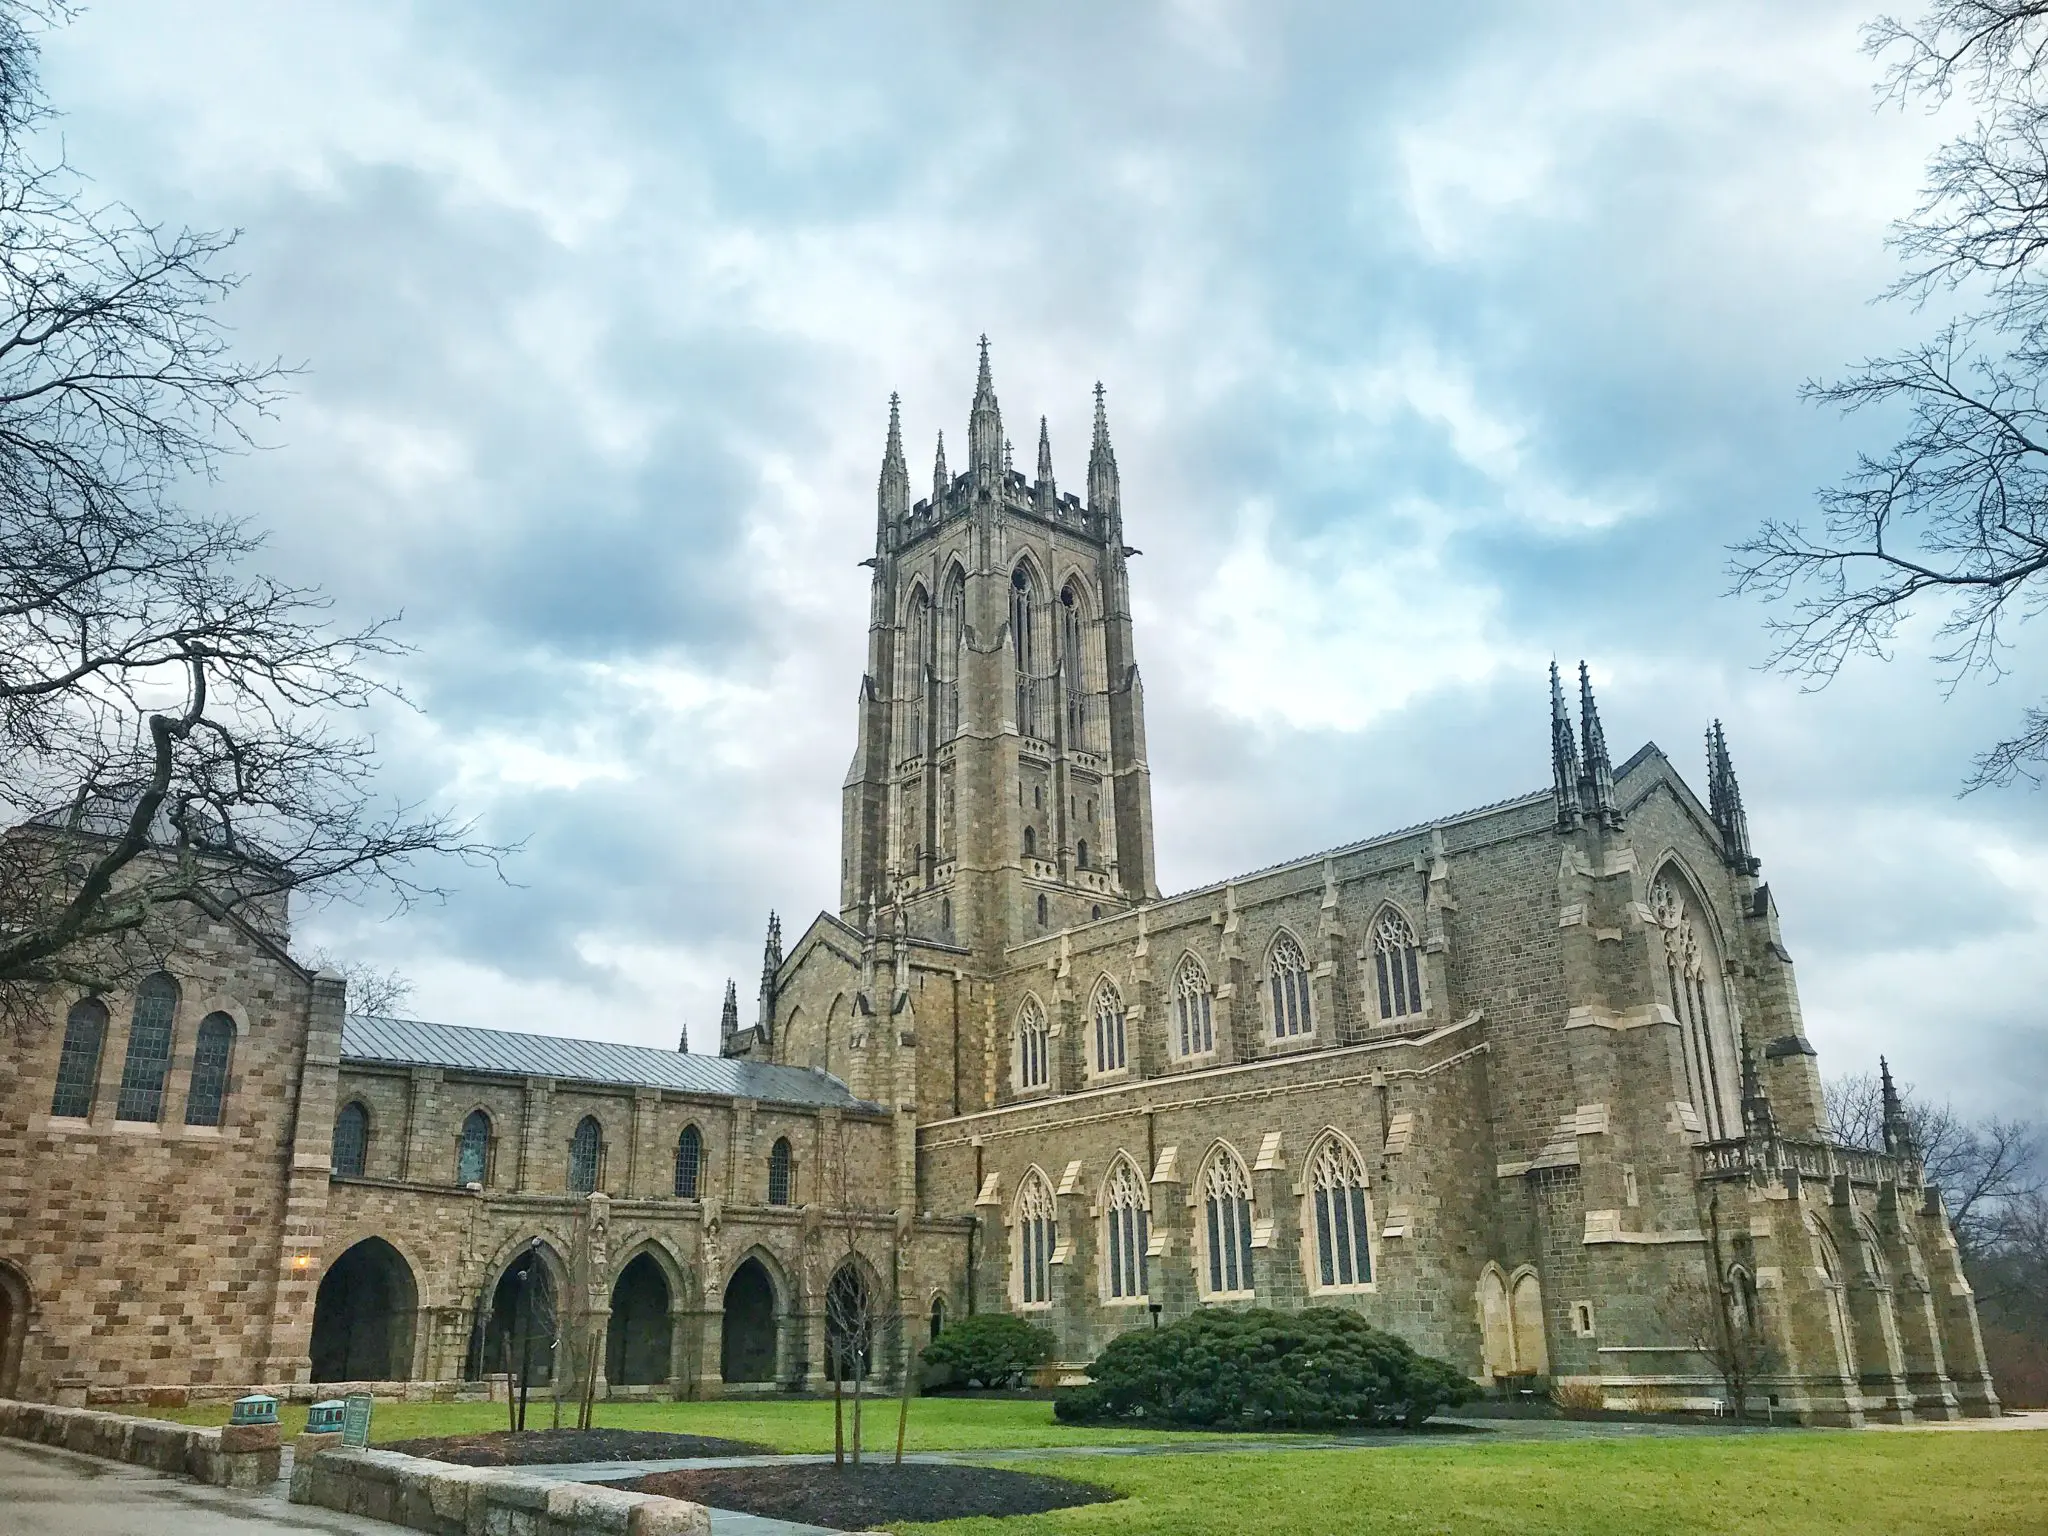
<point x="1439" y="340"/>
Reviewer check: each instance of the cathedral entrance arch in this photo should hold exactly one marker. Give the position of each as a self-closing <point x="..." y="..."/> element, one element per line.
<point x="747" y="1350"/>
<point x="363" y="1316"/>
<point x="521" y="1330"/>
<point x="14" y="1309"/>
<point x="636" y="1346"/>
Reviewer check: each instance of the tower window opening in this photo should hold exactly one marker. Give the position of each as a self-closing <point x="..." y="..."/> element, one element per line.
<point x="1081" y="853"/>
<point x="1041" y="909"/>
<point x="1030" y="842"/>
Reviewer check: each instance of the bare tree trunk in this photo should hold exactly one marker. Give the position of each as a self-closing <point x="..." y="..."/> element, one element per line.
<point x="903" y="1406"/>
<point x="838" y="1413"/>
<point x="511" y="1391"/>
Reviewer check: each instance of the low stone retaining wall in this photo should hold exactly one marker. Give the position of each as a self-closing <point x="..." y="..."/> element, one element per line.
<point x="177" y="1395"/>
<point x="482" y="1501"/>
<point x="245" y="1456"/>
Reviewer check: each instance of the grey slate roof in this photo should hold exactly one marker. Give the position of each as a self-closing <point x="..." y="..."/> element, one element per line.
<point x="409" y="1042"/>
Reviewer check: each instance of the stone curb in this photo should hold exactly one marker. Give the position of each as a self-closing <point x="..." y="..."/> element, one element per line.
<point x="452" y="1500"/>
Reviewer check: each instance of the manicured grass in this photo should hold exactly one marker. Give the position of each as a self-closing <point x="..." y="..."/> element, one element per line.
<point x="787" y="1424"/>
<point x="1818" y="1483"/>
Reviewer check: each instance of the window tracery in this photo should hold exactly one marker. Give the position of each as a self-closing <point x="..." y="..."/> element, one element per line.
<point x="473" y="1150"/>
<point x="1397" y="966"/>
<point x="351" y="1140"/>
<point x="149" y="1049"/>
<point x="1343" y="1237"/>
<point x="1037" y="1230"/>
<point x="1194" y="1022"/>
<point x="585" y="1148"/>
<point x="1227" y="1207"/>
<point x="1109" y="1027"/>
<point x="1287" y="975"/>
<point x="689" y="1162"/>
<point x="206" y="1095"/>
<point x="1691" y="976"/>
<point x="1034" y="1046"/>
<point x="78" y="1060"/>
<point x="1127" y="1218"/>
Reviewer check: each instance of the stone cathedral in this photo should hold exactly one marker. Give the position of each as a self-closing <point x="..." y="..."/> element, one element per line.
<point x="1512" y="1084"/>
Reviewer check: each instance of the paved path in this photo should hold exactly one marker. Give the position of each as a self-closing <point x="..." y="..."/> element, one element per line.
<point x="47" y="1492"/>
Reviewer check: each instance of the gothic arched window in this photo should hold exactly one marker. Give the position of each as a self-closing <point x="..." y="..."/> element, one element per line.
<point x="1024" y="650"/>
<point x="781" y="1173"/>
<point x="1109" y="1027"/>
<point x="1030" y="842"/>
<point x="1343" y="1237"/>
<point x="689" y="1162"/>
<point x="1194" y="1026"/>
<point x="149" y="1049"/>
<point x="917" y="645"/>
<point x="1287" y="988"/>
<point x="473" y="1149"/>
<point x="1041" y="910"/>
<point x="206" y="1096"/>
<point x="1034" y="1046"/>
<point x="952" y="640"/>
<point x="1073" y="664"/>
<point x="1227" y="1225"/>
<point x="351" y="1140"/>
<point x="1081" y="853"/>
<point x="78" y="1062"/>
<point x="1693" y="978"/>
<point x="1127" y="1219"/>
<point x="1397" y="964"/>
<point x="586" y="1149"/>
<point x="1037" y="1229"/>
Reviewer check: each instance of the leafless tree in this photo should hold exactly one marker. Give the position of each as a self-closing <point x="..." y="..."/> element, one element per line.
<point x="379" y="991"/>
<point x="857" y="1316"/>
<point x="1716" y="1317"/>
<point x="169" y="732"/>
<point x="1953" y="516"/>
<point x="1981" y="1166"/>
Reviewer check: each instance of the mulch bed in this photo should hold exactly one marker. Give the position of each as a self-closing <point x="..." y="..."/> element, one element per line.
<point x="859" y="1498"/>
<point x="535" y="1447"/>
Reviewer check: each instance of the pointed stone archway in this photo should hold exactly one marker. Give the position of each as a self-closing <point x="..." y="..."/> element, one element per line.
<point x="640" y="1333"/>
<point x="363" y="1316"/>
<point x="747" y="1351"/>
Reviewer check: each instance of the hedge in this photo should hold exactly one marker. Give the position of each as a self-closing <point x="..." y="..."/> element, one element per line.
<point x="990" y="1349"/>
<point x="1259" y="1369"/>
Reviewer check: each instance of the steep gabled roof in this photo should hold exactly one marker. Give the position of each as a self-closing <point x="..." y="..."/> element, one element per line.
<point x="411" y="1042"/>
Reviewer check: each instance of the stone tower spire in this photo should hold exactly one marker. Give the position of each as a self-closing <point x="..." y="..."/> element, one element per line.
<point x="985" y="426"/>
<point x="771" y="964"/>
<point x="1898" y="1130"/>
<point x="892" y="493"/>
<point x="1597" y="778"/>
<point x="1724" y="803"/>
<point x="1045" y="490"/>
<point x="940" y="479"/>
<point x="1564" y="759"/>
<point x="1104" y="496"/>
<point x="729" y="1017"/>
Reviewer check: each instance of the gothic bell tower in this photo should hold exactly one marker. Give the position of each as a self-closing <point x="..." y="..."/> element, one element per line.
<point x="999" y="790"/>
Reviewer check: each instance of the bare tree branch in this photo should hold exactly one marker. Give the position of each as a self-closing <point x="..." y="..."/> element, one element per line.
<point x="169" y="720"/>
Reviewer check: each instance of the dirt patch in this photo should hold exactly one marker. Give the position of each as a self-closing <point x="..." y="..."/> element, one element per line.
<point x="536" y="1447"/>
<point x="860" y="1498"/>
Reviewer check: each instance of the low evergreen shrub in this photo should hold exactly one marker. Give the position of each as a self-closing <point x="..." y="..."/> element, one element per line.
<point x="1258" y="1369"/>
<point x="990" y="1349"/>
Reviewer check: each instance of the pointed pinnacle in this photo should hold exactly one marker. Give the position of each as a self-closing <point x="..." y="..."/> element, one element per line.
<point x="1044" y="451"/>
<point x="982" y="380"/>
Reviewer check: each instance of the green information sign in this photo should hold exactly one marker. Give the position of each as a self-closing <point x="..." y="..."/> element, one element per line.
<point x="355" y="1420"/>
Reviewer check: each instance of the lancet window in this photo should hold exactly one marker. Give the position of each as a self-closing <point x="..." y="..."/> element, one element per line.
<point x="586" y="1150"/>
<point x="781" y="1173"/>
<point x="917" y="642"/>
<point x="1397" y="966"/>
<point x="1127" y="1220"/>
<point x="689" y="1161"/>
<point x="1034" y="1046"/>
<point x="149" y="1049"/>
<point x="1692" y="976"/>
<point x="1227" y="1225"/>
<point x="1287" y="988"/>
<point x="351" y="1140"/>
<point x="473" y="1150"/>
<point x="1037" y="1230"/>
<point x="1109" y="1027"/>
<point x="78" y="1061"/>
<point x="1194" y="1026"/>
<point x="952" y="640"/>
<point x="206" y="1097"/>
<point x="1074" y="664"/>
<point x="1342" y="1233"/>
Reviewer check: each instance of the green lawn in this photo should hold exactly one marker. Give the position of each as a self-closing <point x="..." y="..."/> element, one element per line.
<point x="1819" y="1483"/>
<point x="787" y="1424"/>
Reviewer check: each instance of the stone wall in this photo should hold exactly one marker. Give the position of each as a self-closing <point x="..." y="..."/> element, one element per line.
<point x="234" y="1456"/>
<point x="136" y="1251"/>
<point x="483" y="1501"/>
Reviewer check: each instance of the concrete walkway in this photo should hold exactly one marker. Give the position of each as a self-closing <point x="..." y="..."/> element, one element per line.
<point x="47" y="1492"/>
